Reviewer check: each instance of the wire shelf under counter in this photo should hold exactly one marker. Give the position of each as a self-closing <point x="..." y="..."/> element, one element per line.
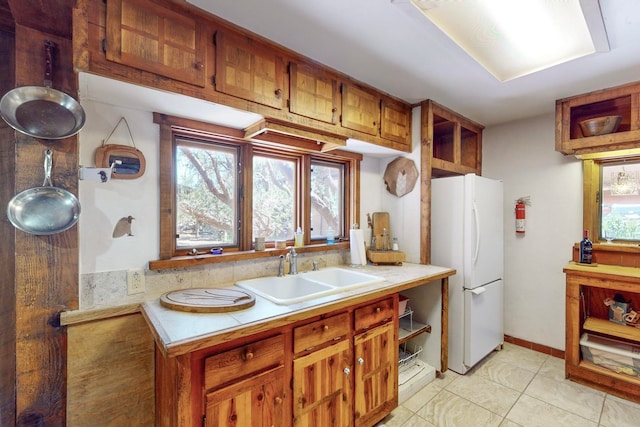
<point x="409" y="327"/>
<point x="407" y="356"/>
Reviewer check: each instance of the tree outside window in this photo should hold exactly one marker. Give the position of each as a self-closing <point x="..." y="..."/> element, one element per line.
<point x="274" y="198"/>
<point x="206" y="194"/>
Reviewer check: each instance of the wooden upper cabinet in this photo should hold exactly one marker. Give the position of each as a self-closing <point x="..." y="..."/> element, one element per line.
<point x="360" y="109"/>
<point x="146" y="36"/>
<point x="456" y="142"/>
<point x="395" y="122"/>
<point x="623" y="101"/>
<point x="248" y="70"/>
<point x="313" y="93"/>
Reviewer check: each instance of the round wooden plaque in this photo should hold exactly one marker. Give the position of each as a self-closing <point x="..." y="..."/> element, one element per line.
<point x="208" y="300"/>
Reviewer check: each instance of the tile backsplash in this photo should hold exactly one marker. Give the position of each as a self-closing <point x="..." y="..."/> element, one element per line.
<point x="109" y="288"/>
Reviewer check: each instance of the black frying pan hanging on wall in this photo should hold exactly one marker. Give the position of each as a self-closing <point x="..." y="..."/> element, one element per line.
<point x="40" y="111"/>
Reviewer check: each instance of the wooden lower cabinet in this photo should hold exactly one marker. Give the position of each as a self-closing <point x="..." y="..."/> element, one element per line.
<point x="376" y="374"/>
<point x="254" y="402"/>
<point x="333" y="370"/>
<point x="587" y="286"/>
<point x="322" y="387"/>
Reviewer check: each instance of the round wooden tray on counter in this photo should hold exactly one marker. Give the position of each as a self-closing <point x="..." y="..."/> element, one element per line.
<point x="208" y="300"/>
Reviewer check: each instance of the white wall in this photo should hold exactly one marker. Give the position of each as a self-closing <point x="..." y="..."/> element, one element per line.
<point x="103" y="204"/>
<point x="522" y="154"/>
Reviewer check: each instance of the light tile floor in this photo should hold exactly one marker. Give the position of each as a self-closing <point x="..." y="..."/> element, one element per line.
<point x="512" y="387"/>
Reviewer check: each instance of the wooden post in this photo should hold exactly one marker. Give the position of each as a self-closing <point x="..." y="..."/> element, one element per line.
<point x="46" y="278"/>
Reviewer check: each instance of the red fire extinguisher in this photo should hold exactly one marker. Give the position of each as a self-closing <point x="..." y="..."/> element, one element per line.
<point x="520" y="213"/>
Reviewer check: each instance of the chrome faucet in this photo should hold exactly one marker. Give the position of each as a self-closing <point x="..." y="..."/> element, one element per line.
<point x="292" y="257"/>
<point x="281" y="266"/>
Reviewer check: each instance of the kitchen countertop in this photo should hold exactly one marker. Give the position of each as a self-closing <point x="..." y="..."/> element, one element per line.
<point x="178" y="332"/>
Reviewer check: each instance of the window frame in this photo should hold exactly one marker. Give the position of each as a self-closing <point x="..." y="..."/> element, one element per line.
<point x="180" y="140"/>
<point x="172" y="127"/>
<point x="592" y="181"/>
<point x="345" y="191"/>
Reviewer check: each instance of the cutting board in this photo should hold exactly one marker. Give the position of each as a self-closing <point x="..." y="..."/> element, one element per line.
<point x="208" y="300"/>
<point x="380" y="221"/>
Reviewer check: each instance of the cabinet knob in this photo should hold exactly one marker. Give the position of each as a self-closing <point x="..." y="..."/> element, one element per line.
<point x="278" y="400"/>
<point x="278" y="93"/>
<point x="360" y="361"/>
<point x="347" y="371"/>
<point x="378" y="309"/>
<point x="248" y="355"/>
<point x="325" y="327"/>
<point x="334" y="109"/>
<point x="198" y="65"/>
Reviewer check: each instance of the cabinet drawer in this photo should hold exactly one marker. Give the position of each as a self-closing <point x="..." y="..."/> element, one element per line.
<point x="239" y="362"/>
<point x="320" y="332"/>
<point x="372" y="314"/>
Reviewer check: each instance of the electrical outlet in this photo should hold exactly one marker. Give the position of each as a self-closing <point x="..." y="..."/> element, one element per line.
<point x="135" y="281"/>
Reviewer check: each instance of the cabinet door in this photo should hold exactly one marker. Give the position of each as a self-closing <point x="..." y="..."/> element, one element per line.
<point x="313" y="93"/>
<point x="254" y="402"/>
<point x="395" y="121"/>
<point x="376" y="373"/>
<point x="322" y="387"/>
<point x="248" y="70"/>
<point x="360" y="109"/>
<point x="149" y="37"/>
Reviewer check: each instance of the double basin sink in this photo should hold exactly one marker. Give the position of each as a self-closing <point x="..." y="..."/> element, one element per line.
<point x="292" y="289"/>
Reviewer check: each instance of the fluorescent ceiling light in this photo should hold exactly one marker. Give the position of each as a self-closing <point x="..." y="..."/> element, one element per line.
<point x="513" y="38"/>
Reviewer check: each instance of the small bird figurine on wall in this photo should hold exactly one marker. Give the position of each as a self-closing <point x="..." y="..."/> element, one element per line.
<point x="123" y="227"/>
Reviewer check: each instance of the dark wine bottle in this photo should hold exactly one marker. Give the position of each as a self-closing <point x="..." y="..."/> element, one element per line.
<point x="585" y="248"/>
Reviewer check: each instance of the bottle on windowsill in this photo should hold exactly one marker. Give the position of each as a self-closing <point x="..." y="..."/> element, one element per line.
<point x="586" y="248"/>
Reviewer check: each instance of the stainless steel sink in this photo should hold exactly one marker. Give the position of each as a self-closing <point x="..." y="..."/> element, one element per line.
<point x="292" y="289"/>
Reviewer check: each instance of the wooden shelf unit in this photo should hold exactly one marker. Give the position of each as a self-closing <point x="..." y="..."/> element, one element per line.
<point x="456" y="142"/>
<point x="621" y="101"/>
<point x="586" y="287"/>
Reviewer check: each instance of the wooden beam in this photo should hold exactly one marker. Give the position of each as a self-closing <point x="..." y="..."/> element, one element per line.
<point x="46" y="267"/>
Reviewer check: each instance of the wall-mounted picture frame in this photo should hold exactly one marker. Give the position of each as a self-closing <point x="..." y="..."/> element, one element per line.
<point x="128" y="162"/>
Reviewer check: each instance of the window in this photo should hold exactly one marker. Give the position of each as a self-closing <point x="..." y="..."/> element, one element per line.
<point x="219" y="190"/>
<point x="620" y="201"/>
<point x="327" y="198"/>
<point x="206" y="194"/>
<point x="274" y="197"/>
<point x="612" y="199"/>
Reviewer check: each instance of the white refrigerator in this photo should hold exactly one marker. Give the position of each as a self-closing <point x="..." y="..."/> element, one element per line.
<point x="467" y="234"/>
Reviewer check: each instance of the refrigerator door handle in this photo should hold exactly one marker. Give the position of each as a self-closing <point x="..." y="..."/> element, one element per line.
<point x="477" y="291"/>
<point x="476" y="215"/>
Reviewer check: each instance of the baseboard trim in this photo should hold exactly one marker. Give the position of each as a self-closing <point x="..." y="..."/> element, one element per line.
<point x="534" y="346"/>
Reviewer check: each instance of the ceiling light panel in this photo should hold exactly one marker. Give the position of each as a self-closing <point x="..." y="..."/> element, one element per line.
<point x="513" y="38"/>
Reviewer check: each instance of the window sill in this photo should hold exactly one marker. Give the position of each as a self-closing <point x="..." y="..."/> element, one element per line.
<point x="198" y="260"/>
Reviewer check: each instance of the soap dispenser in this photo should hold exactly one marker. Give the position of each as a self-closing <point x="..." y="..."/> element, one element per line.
<point x="299" y="238"/>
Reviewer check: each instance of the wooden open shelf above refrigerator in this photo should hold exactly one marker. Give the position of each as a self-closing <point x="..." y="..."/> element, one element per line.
<point x="621" y="101"/>
<point x="456" y="142"/>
